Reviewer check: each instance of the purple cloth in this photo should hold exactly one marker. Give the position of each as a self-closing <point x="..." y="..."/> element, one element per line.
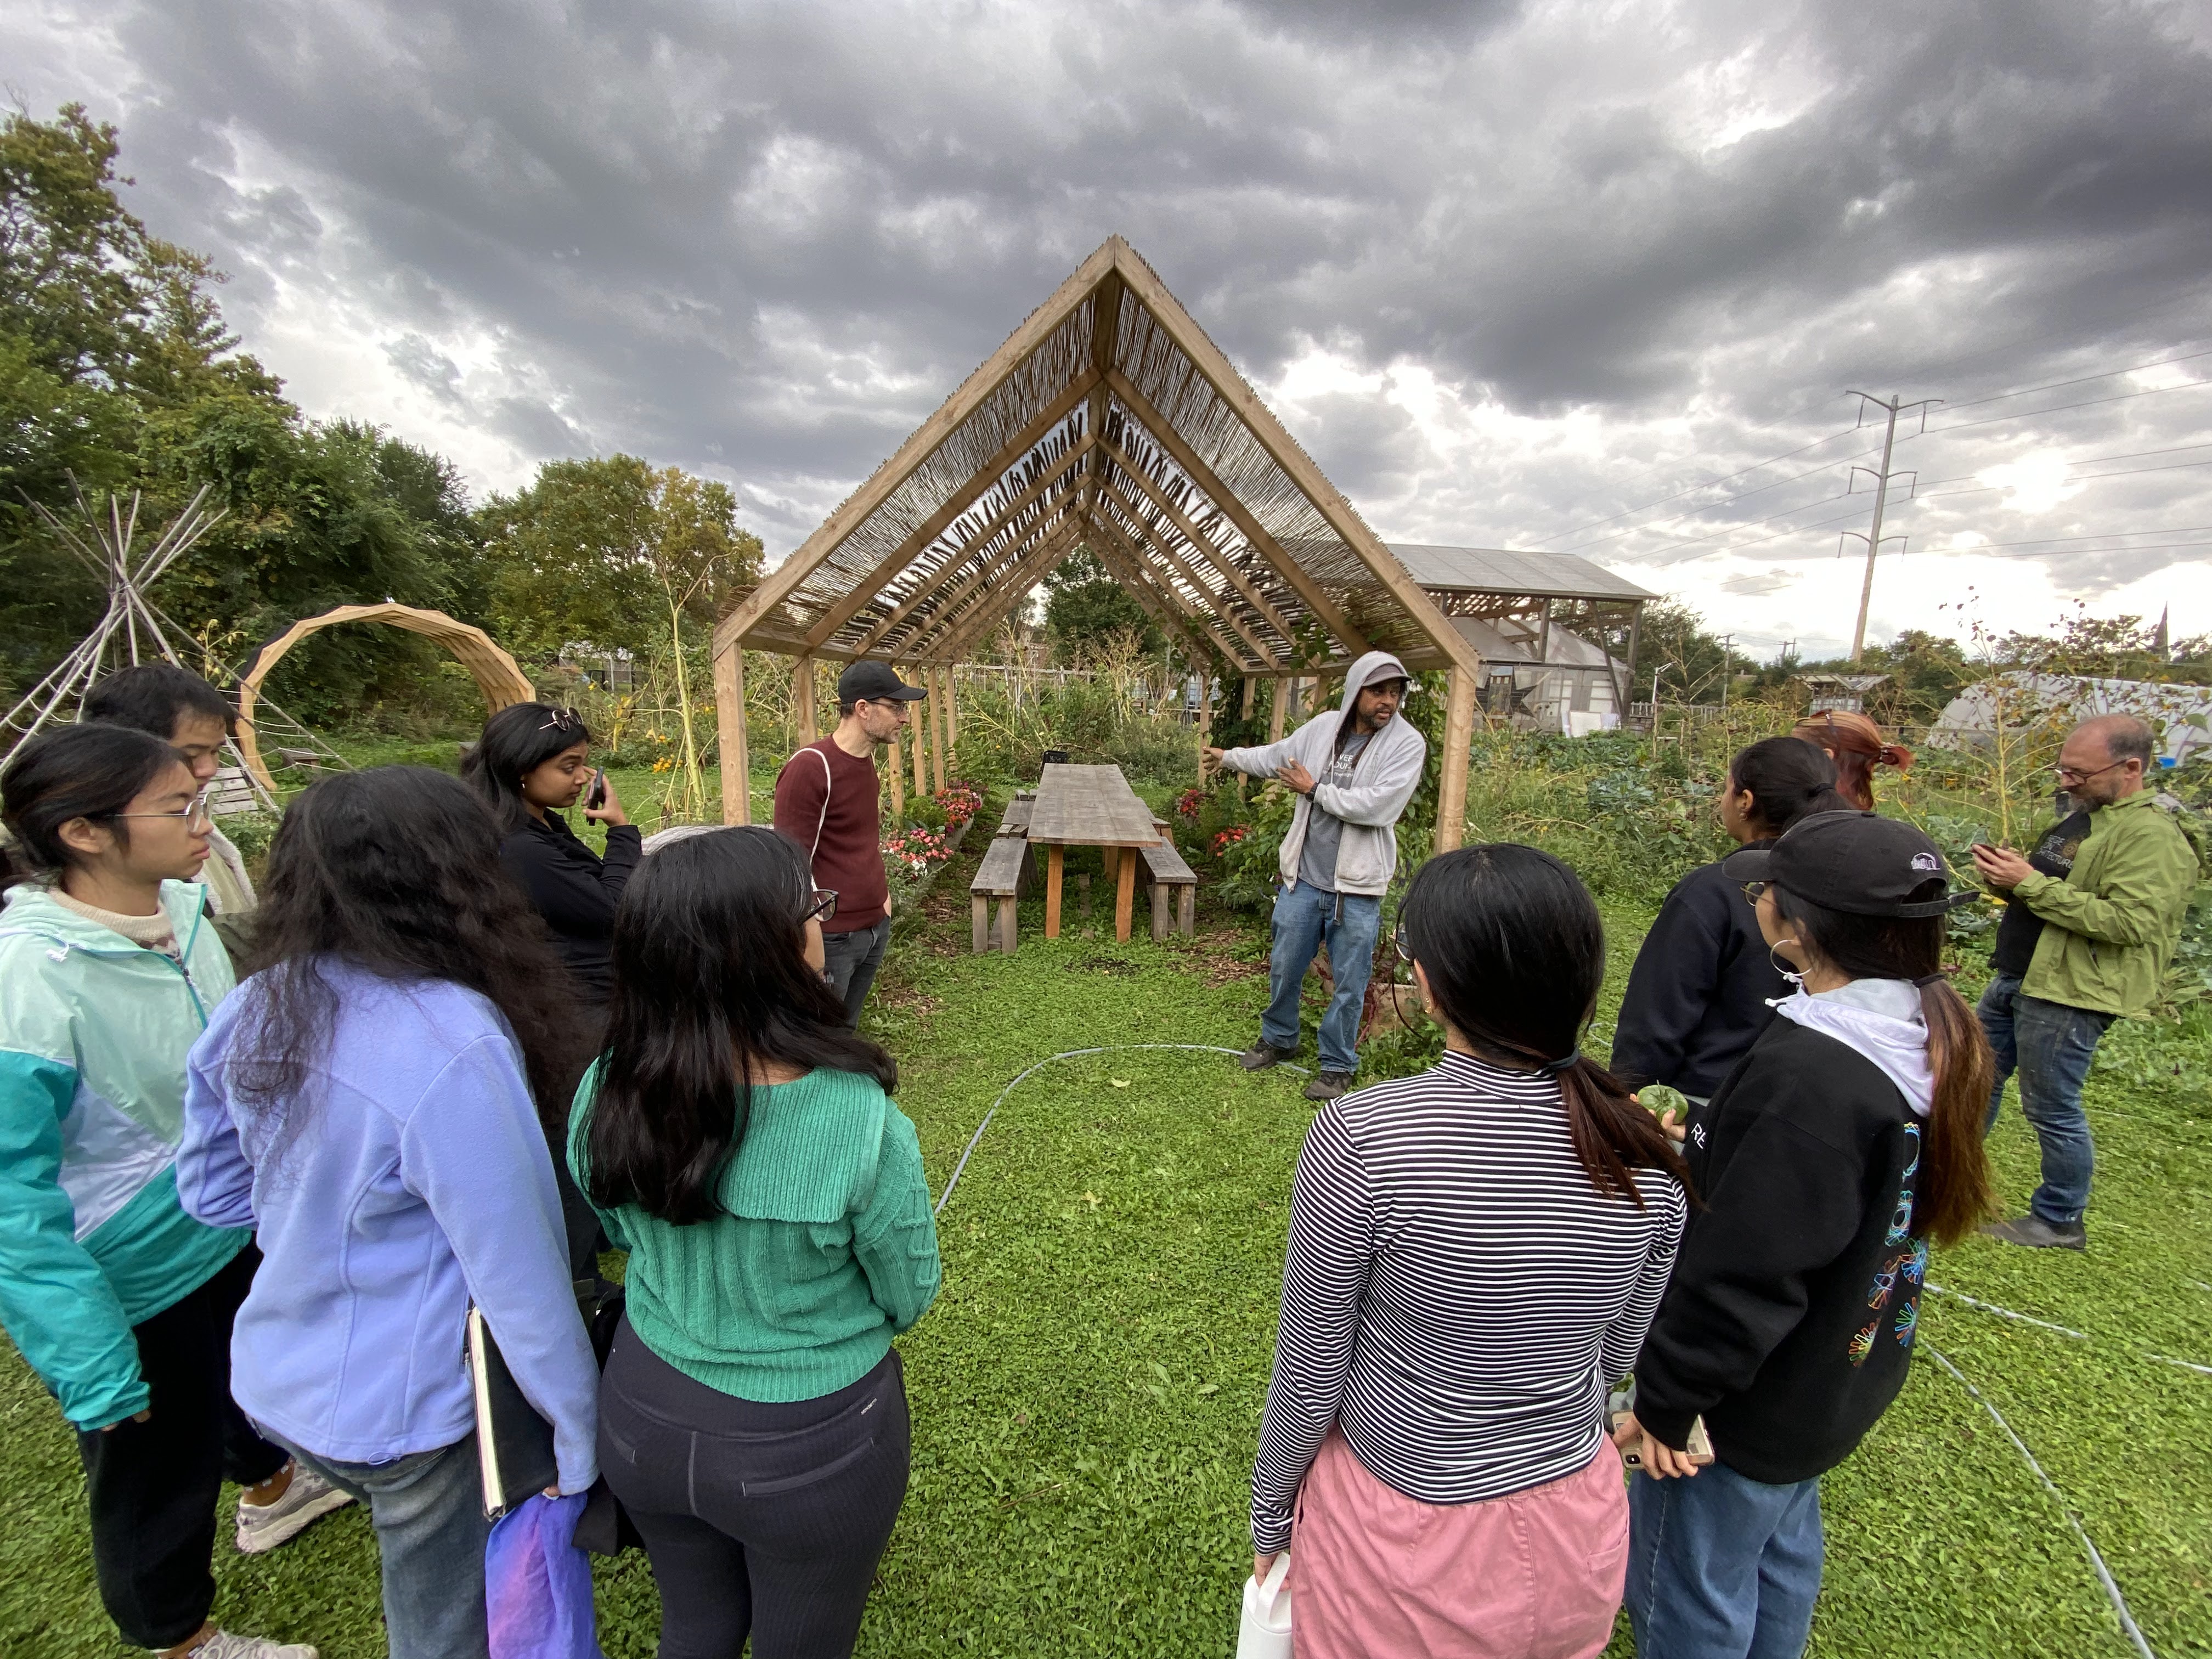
<point x="537" y="1584"/>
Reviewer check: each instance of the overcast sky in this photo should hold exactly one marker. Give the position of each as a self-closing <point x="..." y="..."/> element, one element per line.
<point x="1540" y="275"/>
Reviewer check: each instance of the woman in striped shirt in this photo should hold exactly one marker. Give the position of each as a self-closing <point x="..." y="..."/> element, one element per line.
<point x="1474" y="1255"/>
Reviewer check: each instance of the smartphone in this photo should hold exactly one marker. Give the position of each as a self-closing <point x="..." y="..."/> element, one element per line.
<point x="1699" y="1450"/>
<point x="596" y="796"/>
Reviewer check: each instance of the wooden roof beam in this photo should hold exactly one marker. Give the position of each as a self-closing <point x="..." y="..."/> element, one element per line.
<point x="1263" y="663"/>
<point x="981" y="538"/>
<point x="1260" y="422"/>
<point x="1203" y="476"/>
<point x="1149" y="537"/>
<point x="869" y="586"/>
<point x="1040" y="559"/>
<point x="1221" y="560"/>
<point x="941" y="616"/>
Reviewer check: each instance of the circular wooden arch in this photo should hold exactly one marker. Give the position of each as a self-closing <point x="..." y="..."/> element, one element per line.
<point x="495" y="673"/>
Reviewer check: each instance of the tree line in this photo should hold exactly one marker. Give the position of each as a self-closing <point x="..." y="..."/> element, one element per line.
<point x="116" y="374"/>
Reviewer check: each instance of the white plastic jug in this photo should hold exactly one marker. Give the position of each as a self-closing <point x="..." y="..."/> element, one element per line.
<point x="1264" y="1632"/>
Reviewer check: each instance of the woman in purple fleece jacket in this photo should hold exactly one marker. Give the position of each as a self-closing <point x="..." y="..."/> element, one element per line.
<point x="368" y="1101"/>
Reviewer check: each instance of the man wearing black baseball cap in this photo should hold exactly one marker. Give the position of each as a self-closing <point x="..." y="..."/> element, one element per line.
<point x="829" y="799"/>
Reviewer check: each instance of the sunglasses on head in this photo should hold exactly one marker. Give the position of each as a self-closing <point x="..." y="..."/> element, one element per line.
<point x="562" y="720"/>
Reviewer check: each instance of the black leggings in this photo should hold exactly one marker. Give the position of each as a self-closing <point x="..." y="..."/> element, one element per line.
<point x="152" y="1487"/>
<point x="766" y="1519"/>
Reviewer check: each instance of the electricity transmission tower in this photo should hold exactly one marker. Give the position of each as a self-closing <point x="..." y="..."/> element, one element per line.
<point x="1873" y="538"/>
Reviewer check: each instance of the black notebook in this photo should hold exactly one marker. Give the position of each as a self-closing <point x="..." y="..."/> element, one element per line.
<point x="514" y="1445"/>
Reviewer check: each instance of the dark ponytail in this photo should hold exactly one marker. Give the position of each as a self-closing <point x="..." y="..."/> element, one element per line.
<point x="1787" y="778"/>
<point x="1513" y="949"/>
<point x="1953" y="1194"/>
<point x="73" y="772"/>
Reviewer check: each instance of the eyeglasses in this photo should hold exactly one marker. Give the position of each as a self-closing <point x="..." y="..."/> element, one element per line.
<point x="562" y="720"/>
<point x="196" y="808"/>
<point x="1405" y="951"/>
<point x="1751" y="890"/>
<point x="824" y="906"/>
<point x="2068" y="775"/>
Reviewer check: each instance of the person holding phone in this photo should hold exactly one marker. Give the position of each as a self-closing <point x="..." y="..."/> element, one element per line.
<point x="373" y="1100"/>
<point x="531" y="764"/>
<point x="118" y="1298"/>
<point x="1848" y="1140"/>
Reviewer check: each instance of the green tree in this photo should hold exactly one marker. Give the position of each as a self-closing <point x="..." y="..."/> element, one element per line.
<point x="597" y="552"/>
<point x="1085" y="605"/>
<point x="1674" y="643"/>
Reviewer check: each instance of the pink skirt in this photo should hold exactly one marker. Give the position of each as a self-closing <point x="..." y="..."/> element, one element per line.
<point x="1535" y="1576"/>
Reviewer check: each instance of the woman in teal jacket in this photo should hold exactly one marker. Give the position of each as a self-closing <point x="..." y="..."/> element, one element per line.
<point x="741" y="1143"/>
<point x="118" y="1299"/>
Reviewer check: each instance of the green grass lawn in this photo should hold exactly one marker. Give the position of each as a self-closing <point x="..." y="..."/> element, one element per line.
<point x="1086" y="1392"/>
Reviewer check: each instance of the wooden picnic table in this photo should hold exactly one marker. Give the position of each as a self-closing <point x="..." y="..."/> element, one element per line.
<point x="1090" y="806"/>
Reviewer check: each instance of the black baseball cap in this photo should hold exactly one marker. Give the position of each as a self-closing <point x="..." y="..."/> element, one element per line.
<point x="875" y="681"/>
<point x="1857" y="862"/>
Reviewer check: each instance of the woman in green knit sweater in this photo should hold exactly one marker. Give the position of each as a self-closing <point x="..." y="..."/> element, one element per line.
<point x="742" y="1145"/>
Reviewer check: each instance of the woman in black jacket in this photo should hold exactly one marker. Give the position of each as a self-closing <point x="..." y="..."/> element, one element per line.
<point x="1847" y="1141"/>
<point x="1704" y="981"/>
<point x="533" y="763"/>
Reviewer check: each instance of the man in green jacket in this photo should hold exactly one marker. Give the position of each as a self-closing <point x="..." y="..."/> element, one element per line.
<point x="2107" y="928"/>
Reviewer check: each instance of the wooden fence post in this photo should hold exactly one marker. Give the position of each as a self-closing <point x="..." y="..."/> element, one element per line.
<point x="898" y="781"/>
<point x="1451" y="779"/>
<point x="730" y="724"/>
<point x="805" y="727"/>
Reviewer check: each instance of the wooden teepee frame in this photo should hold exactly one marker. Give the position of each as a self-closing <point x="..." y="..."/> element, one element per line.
<point x="1107" y="420"/>
<point x="133" y="629"/>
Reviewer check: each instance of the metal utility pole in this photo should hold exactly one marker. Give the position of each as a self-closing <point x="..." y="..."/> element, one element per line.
<point x="1895" y="407"/>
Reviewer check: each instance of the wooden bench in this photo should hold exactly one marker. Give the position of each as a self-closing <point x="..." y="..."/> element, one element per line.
<point x="1165" y="870"/>
<point x="309" y="761"/>
<point x="1016" y="820"/>
<point x="999" y="878"/>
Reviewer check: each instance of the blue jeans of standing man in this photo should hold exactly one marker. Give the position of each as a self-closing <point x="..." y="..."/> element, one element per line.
<point x="428" y="1510"/>
<point x="1721" y="1566"/>
<point x="2051" y="1046"/>
<point x="1306" y="918"/>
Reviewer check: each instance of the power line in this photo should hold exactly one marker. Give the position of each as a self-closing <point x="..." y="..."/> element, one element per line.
<point x="1630" y="511"/>
<point x="2091" y="402"/>
<point x="2055" y="385"/>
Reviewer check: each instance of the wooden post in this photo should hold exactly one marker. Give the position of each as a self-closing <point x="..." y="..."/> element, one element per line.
<point x="1452" y="780"/>
<point x="1054" y="864"/>
<point x="1279" y="700"/>
<point x="1007" y="908"/>
<point x="941" y="730"/>
<point x="1187" y="910"/>
<point x="920" y="728"/>
<point x="898" y="781"/>
<point x="730" y="717"/>
<point x="979" y="919"/>
<point x="951" y="713"/>
<point x="1159" y="911"/>
<point x="1251" y="685"/>
<point x="1125" y="891"/>
<point x="1204" y="717"/>
<point x="805" y="727"/>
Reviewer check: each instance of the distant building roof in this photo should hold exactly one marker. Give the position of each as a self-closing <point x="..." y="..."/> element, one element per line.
<point x="1500" y="570"/>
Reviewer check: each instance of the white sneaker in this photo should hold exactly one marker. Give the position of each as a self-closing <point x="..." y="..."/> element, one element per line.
<point x="262" y="1527"/>
<point x="229" y="1644"/>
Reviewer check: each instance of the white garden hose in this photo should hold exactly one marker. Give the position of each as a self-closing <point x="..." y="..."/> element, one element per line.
<point x="1071" y="1054"/>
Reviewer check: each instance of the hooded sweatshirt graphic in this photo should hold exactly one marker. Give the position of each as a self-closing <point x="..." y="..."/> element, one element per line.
<point x="1383" y="778"/>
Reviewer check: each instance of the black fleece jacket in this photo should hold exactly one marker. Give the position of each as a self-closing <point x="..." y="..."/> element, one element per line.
<point x="575" y="891"/>
<point x="1697" y="996"/>
<point x="1790" y="1319"/>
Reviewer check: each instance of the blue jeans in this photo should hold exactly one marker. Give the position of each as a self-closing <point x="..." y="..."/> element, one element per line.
<point x="1721" y="1566"/>
<point x="2051" y="1046"/>
<point x="1305" y="917"/>
<point x="428" y="1510"/>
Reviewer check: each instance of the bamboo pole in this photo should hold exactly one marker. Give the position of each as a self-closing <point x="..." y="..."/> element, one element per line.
<point x="730" y="716"/>
<point x="805" y="729"/>
<point x="1459" y="740"/>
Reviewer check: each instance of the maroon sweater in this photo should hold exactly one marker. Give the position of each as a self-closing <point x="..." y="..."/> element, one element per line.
<point x="836" y="815"/>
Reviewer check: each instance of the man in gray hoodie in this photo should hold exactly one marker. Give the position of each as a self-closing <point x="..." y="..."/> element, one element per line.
<point x="1352" y="770"/>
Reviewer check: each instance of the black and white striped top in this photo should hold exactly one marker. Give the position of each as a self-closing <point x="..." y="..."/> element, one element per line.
<point x="1458" y="1296"/>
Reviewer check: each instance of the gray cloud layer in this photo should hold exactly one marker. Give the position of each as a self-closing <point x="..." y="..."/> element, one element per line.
<point x="1627" y="248"/>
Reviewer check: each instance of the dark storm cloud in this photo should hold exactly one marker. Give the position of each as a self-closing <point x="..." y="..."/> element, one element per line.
<point x="766" y="241"/>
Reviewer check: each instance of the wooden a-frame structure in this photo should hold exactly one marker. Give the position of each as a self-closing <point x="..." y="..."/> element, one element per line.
<point x="1107" y="420"/>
